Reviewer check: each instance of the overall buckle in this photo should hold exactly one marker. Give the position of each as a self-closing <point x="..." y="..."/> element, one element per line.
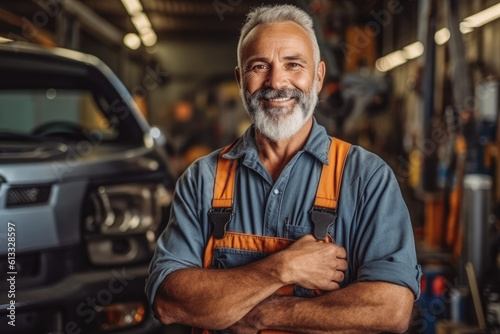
<point x="220" y="217"/>
<point x="322" y="219"/>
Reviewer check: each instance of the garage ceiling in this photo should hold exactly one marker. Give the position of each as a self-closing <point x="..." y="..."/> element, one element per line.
<point x="181" y="19"/>
<point x="171" y="19"/>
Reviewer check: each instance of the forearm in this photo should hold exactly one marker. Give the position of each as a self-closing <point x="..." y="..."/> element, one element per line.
<point x="360" y="308"/>
<point x="216" y="298"/>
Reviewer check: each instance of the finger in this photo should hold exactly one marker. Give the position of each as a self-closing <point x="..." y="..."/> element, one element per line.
<point x="338" y="277"/>
<point x="340" y="252"/>
<point x="342" y="265"/>
<point x="330" y="286"/>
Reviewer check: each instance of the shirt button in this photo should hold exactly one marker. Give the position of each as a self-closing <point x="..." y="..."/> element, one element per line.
<point x="276" y="191"/>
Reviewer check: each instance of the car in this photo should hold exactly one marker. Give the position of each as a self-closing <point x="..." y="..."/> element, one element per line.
<point x="85" y="190"/>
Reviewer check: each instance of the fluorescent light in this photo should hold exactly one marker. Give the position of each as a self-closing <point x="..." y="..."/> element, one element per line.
<point x="132" y="6"/>
<point x="413" y="50"/>
<point x="149" y="38"/>
<point x="141" y="22"/>
<point x="391" y="61"/>
<point x="132" y="41"/>
<point x="465" y="28"/>
<point x="4" y="40"/>
<point x="483" y="17"/>
<point x="442" y="36"/>
<point x="399" y="57"/>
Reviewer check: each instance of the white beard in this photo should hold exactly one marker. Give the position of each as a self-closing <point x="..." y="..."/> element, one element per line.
<point x="277" y="123"/>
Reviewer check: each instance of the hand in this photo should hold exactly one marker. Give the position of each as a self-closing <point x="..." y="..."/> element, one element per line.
<point x="314" y="264"/>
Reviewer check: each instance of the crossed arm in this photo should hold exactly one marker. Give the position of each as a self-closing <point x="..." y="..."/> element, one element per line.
<point x="242" y="301"/>
<point x="365" y="307"/>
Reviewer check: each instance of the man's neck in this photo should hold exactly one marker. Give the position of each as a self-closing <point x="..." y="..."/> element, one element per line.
<point x="275" y="155"/>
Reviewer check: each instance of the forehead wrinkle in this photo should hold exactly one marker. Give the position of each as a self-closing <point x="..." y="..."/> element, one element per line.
<point x="296" y="57"/>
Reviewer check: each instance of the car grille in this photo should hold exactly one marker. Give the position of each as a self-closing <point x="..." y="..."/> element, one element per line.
<point x="29" y="195"/>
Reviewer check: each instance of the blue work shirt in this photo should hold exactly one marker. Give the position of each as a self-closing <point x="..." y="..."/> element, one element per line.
<point x="373" y="223"/>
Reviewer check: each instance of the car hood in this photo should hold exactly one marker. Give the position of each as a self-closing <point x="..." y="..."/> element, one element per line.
<point x="54" y="163"/>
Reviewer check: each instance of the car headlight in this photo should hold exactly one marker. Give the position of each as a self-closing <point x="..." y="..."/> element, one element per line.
<point x="120" y="221"/>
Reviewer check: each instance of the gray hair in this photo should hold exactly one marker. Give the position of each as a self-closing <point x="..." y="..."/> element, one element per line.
<point x="279" y="13"/>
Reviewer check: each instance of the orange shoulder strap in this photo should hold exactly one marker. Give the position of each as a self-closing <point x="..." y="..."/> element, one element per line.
<point x="326" y="195"/>
<point x="328" y="191"/>
<point x="224" y="180"/>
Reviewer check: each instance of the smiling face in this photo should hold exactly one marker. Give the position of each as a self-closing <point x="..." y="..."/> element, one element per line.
<point x="279" y="80"/>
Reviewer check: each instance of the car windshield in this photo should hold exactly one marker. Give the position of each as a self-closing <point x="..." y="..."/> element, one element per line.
<point x="64" y="113"/>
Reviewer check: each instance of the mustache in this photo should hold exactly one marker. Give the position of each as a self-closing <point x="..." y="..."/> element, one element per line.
<point x="270" y="93"/>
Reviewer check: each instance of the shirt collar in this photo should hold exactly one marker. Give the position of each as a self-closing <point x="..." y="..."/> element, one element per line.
<point x="318" y="144"/>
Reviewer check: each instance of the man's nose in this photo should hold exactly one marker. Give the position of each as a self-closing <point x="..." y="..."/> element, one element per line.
<point x="277" y="78"/>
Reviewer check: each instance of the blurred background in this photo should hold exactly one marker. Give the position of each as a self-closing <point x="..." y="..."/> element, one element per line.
<point x="415" y="81"/>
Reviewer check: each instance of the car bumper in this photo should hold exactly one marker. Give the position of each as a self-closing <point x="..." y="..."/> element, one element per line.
<point x="69" y="306"/>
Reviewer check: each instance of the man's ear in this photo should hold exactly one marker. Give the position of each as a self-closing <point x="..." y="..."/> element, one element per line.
<point x="237" y="74"/>
<point x="320" y="75"/>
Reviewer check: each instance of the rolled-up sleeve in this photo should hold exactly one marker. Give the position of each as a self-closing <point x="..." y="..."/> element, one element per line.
<point x="385" y="243"/>
<point x="181" y="245"/>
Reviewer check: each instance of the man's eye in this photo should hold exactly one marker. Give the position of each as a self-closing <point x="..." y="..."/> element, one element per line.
<point x="260" y="68"/>
<point x="294" y="65"/>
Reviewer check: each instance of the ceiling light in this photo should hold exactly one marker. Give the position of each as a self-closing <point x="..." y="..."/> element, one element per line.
<point x="132" y="6"/>
<point x="142" y="25"/>
<point x="132" y="41"/>
<point x="141" y="22"/>
<point x="465" y="28"/>
<point x="413" y="50"/>
<point x="390" y="61"/>
<point x="483" y="17"/>
<point x="442" y="36"/>
<point x="149" y="38"/>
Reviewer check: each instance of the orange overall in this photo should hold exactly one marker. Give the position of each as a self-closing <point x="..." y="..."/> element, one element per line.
<point x="323" y="212"/>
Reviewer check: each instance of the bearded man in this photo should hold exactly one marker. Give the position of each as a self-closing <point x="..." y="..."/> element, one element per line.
<point x="287" y="229"/>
